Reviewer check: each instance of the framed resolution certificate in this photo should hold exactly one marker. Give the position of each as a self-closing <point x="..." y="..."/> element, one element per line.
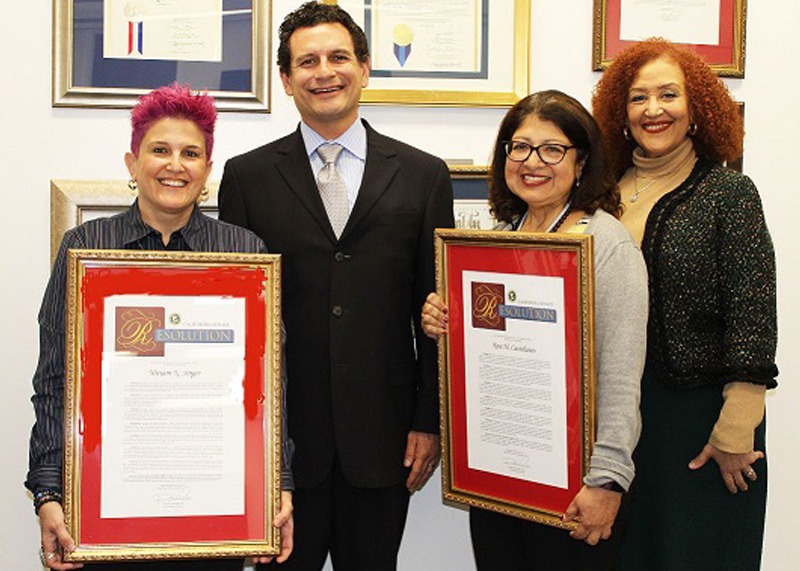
<point x="172" y="404"/>
<point x="714" y="29"/>
<point x="517" y="370"/>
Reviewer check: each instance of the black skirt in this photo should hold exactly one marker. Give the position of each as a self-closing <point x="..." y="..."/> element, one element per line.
<point x="687" y="519"/>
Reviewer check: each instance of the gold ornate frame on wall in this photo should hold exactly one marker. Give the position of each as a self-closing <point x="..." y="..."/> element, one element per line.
<point x="470" y="197"/>
<point x="726" y="58"/>
<point x="516" y="85"/>
<point x="73" y="202"/>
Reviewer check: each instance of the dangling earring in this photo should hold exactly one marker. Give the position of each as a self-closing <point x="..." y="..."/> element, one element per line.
<point x="579" y="174"/>
<point x="625" y="133"/>
<point x="692" y="129"/>
<point x="133" y="186"/>
<point x="203" y="195"/>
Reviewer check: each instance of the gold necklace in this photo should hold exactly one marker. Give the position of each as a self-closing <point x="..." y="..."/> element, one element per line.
<point x="635" y="196"/>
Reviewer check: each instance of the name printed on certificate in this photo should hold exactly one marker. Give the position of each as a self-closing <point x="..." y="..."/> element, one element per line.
<point x="516" y="392"/>
<point x="180" y="30"/>
<point x="172" y="406"/>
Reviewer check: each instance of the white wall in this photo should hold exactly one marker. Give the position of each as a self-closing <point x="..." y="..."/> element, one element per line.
<point x="39" y="143"/>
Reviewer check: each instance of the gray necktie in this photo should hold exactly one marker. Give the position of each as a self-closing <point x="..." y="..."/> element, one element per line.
<point x="332" y="189"/>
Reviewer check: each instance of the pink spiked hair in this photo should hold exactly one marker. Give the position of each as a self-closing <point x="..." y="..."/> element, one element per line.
<point x="177" y="102"/>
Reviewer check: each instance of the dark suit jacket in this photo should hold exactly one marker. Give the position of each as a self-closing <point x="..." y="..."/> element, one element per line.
<point x="360" y="377"/>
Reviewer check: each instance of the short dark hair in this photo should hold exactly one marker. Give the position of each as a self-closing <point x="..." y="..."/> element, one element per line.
<point x="313" y="14"/>
<point x="598" y="187"/>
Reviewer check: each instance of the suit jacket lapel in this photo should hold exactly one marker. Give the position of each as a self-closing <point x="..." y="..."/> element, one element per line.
<point x="296" y="170"/>
<point x="379" y="171"/>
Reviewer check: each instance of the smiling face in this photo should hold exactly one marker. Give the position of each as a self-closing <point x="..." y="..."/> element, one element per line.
<point x="539" y="185"/>
<point x="658" y="107"/>
<point x="170" y="170"/>
<point x="326" y="78"/>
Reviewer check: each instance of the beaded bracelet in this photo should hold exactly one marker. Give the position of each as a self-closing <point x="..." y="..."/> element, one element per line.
<point x="44" y="496"/>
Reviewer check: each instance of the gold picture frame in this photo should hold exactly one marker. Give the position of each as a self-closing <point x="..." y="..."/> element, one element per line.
<point x="726" y="58"/>
<point x="73" y="202"/>
<point x="507" y="27"/>
<point x="738" y="164"/>
<point x="471" y="209"/>
<point x="162" y="459"/>
<point x="485" y="279"/>
<point x="242" y="81"/>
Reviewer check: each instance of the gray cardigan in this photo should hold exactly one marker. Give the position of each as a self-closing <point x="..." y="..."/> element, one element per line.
<point x="620" y="341"/>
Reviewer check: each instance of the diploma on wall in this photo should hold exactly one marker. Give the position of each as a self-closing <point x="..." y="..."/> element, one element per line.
<point x="172" y="408"/>
<point x="464" y="53"/>
<point x="516" y="370"/>
<point x="107" y="53"/>
<point x="179" y="30"/>
<point x="714" y="29"/>
<point x="422" y="37"/>
<point x="681" y="21"/>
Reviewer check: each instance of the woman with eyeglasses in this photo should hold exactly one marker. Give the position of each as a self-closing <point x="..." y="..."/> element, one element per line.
<point x="699" y="500"/>
<point x="549" y="173"/>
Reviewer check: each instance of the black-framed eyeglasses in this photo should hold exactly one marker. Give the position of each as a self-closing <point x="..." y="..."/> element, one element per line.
<point x="549" y="153"/>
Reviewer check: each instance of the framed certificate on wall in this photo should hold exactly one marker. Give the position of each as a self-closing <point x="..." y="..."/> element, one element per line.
<point x="107" y="53"/>
<point x="457" y="53"/>
<point x="715" y="29"/>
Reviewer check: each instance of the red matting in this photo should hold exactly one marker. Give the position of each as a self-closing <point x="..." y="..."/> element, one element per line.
<point x="96" y="285"/>
<point x="722" y="54"/>
<point x="506" y="489"/>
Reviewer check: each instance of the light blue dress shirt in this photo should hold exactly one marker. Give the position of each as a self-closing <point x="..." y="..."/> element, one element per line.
<point x="351" y="161"/>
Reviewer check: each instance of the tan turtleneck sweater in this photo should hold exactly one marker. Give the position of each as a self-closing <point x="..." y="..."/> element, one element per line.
<point x="641" y="187"/>
<point x="648" y="180"/>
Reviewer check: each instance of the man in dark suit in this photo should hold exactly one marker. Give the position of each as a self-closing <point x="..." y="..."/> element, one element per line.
<point x="363" y="393"/>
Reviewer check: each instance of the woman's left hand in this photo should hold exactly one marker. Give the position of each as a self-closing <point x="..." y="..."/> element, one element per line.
<point x="595" y="510"/>
<point x="736" y="469"/>
<point x="285" y="521"/>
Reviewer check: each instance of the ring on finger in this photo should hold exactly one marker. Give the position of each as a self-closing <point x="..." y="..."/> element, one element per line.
<point x="750" y="473"/>
<point x="46" y="557"/>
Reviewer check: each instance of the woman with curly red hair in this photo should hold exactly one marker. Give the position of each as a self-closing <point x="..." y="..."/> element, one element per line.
<point x="670" y="124"/>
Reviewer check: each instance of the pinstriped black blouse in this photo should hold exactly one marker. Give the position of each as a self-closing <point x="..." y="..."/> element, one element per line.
<point x="125" y="231"/>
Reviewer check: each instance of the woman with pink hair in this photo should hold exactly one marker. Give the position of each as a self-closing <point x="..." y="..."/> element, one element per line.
<point x="169" y="162"/>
